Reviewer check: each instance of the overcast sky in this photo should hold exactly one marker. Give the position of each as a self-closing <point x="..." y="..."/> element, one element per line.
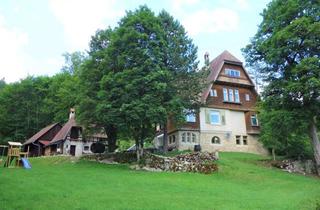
<point x="35" y="33"/>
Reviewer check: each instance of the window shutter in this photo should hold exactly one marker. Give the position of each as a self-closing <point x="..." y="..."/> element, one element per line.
<point x="207" y="113"/>
<point x="223" y="118"/>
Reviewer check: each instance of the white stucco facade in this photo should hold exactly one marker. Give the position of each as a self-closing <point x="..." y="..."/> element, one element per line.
<point x="81" y="147"/>
<point x="228" y="135"/>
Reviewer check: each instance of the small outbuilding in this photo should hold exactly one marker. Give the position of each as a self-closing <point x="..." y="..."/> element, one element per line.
<point x="67" y="139"/>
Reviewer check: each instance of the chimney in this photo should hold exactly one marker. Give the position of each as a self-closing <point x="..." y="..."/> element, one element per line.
<point x="206" y="59"/>
<point x="72" y="113"/>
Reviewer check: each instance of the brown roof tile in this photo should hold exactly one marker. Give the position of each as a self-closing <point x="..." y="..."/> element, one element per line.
<point x="38" y="135"/>
<point x="62" y="134"/>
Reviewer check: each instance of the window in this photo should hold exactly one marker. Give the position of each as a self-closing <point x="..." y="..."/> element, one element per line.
<point x="236" y="96"/>
<point x="238" y="139"/>
<point x="232" y="72"/>
<point x="215" y="117"/>
<point x="247" y="97"/>
<point x="188" y="137"/>
<point x="215" y="140"/>
<point x="213" y="92"/>
<point x="245" y="140"/>
<point x="254" y="120"/>
<point x="86" y="148"/>
<point x="225" y="94"/>
<point x="173" y="139"/>
<point x="170" y="139"/>
<point x="194" y="138"/>
<point x="191" y="117"/>
<point x="183" y="137"/>
<point x="231" y="95"/>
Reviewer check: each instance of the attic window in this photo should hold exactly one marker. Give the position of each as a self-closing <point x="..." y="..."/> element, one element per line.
<point x="232" y="72"/>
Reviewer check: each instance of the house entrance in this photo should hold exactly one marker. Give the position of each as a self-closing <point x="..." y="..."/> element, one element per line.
<point x="73" y="150"/>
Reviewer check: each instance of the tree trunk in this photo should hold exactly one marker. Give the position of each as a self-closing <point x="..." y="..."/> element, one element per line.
<point x="273" y="154"/>
<point x="138" y="150"/>
<point x="111" y="131"/>
<point x="165" y="138"/>
<point x="315" y="143"/>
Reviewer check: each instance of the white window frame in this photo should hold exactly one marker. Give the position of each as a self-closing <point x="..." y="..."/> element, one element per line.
<point x="193" y="138"/>
<point x="215" y="94"/>
<point x="247" y="96"/>
<point x="188" y="137"/>
<point x="232" y="72"/>
<point x="254" y="116"/>
<point x="225" y="94"/>
<point x="183" y="137"/>
<point x="219" y="117"/>
<point x="236" y="96"/>
<point x="211" y="92"/>
<point x="231" y="95"/>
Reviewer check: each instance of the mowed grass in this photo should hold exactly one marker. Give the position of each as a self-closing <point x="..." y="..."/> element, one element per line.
<point x="241" y="183"/>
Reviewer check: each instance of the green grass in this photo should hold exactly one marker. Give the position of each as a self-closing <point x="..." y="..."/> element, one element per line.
<point x="241" y="183"/>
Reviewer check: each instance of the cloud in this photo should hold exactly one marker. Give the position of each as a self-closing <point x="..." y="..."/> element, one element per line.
<point x="178" y="4"/>
<point x="13" y="57"/>
<point x="81" y="18"/>
<point x="211" y="21"/>
<point x="242" y="4"/>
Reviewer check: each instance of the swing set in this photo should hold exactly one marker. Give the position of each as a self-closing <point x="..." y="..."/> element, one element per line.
<point x="14" y="154"/>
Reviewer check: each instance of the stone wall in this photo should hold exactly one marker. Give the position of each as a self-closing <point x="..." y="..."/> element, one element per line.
<point x="201" y="162"/>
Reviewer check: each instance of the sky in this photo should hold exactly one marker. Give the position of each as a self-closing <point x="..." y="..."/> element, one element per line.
<point x="34" y="34"/>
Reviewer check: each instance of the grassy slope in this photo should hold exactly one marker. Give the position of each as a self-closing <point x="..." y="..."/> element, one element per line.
<point x="54" y="183"/>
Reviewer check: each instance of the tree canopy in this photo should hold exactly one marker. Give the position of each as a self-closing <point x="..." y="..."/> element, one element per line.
<point x="286" y="49"/>
<point x="139" y="73"/>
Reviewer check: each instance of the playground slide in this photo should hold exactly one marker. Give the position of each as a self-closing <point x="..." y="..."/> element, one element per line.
<point x="25" y="163"/>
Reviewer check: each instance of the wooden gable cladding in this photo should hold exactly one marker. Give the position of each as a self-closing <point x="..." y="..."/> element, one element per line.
<point x="171" y="125"/>
<point x="242" y="80"/>
<point x="218" y="101"/>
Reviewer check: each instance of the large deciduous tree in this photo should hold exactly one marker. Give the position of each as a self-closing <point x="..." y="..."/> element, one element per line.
<point x="138" y="74"/>
<point x="287" y="49"/>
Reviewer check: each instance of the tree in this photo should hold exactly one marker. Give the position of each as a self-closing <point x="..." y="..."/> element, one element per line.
<point x="95" y="107"/>
<point x="138" y="74"/>
<point x="287" y="46"/>
<point x="183" y="84"/>
<point x="21" y="108"/>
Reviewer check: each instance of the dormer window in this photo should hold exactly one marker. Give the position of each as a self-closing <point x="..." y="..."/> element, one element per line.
<point x="232" y="72"/>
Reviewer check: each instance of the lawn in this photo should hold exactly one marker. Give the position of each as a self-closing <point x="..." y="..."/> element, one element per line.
<point x="241" y="183"/>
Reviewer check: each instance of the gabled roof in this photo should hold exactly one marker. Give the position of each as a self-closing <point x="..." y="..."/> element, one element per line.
<point x="62" y="134"/>
<point x="215" y="67"/>
<point x="38" y="135"/>
<point x="217" y="63"/>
